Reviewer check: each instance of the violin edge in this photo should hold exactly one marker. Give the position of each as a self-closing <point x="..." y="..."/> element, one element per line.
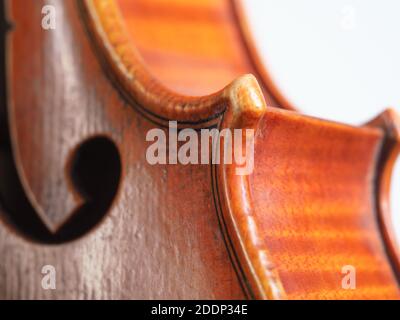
<point x="389" y="122"/>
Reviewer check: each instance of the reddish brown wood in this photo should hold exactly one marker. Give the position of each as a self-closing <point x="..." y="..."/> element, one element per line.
<point x="113" y="70"/>
<point x="151" y="243"/>
<point x="308" y="211"/>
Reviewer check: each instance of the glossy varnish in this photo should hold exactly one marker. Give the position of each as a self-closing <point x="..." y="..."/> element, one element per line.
<point x="78" y="193"/>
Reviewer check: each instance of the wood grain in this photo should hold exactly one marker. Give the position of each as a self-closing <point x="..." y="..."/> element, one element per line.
<point x="150" y="244"/>
<point x="113" y="70"/>
<point x="309" y="211"/>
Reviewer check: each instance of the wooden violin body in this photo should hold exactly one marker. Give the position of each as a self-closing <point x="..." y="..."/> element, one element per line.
<point x="77" y="192"/>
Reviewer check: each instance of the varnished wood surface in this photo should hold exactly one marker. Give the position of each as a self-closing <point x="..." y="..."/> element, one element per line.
<point x="317" y="214"/>
<point x="308" y="211"/>
<point x="175" y="231"/>
<point x="179" y="38"/>
<point x="151" y="244"/>
<point x="194" y="48"/>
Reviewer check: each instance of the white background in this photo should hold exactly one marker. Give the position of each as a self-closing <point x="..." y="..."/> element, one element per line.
<point x="334" y="59"/>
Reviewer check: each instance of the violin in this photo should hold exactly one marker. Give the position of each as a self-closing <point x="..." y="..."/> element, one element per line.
<point x="91" y="89"/>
